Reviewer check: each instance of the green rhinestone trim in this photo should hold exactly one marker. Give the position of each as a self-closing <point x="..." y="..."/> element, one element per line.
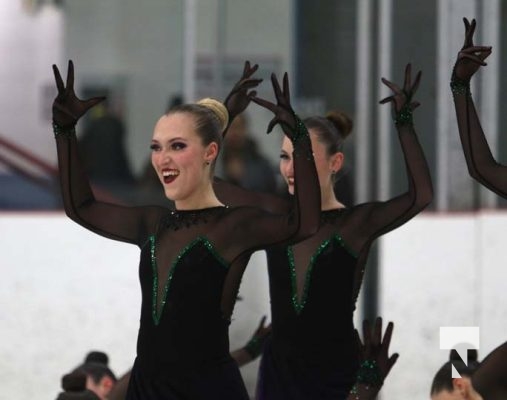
<point x="404" y="116"/>
<point x="342" y="243"/>
<point x="58" y="130"/>
<point x="301" y="133"/>
<point x="254" y="347"/>
<point x="300" y="304"/>
<point x="156" y="312"/>
<point x="459" y="86"/>
<point x="300" y="130"/>
<point x="369" y="373"/>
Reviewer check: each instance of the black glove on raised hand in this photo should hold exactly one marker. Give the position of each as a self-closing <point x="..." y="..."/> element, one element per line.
<point x="470" y="59"/>
<point x="401" y="100"/>
<point x="239" y="97"/>
<point x="284" y="114"/>
<point x="67" y="108"/>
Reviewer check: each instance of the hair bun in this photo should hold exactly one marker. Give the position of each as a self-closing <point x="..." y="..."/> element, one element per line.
<point x="97" y="357"/>
<point x="341" y="121"/>
<point x="218" y="109"/>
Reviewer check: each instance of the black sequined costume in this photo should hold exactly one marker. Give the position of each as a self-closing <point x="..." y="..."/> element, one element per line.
<point x="188" y="274"/>
<point x="315" y="283"/>
<point x="481" y="164"/>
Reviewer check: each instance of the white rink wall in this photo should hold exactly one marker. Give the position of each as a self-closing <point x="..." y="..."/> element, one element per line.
<point x="65" y="291"/>
<point x="441" y="270"/>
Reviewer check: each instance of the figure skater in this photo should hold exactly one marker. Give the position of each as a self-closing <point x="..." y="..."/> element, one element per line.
<point x="188" y="275"/>
<point x="481" y="164"/>
<point x="314" y="284"/>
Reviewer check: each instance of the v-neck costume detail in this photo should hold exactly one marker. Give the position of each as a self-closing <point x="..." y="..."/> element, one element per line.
<point x="158" y="306"/>
<point x="299" y="297"/>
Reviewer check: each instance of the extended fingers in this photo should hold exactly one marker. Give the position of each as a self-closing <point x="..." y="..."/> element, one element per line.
<point x="388" y="335"/>
<point x="58" y="79"/>
<point x="392" y="360"/>
<point x="247" y="84"/>
<point x="264" y="103"/>
<point x="70" y="76"/>
<point x="481" y="52"/>
<point x="250" y="83"/>
<point x="248" y="70"/>
<point x="484" y="54"/>
<point x="377" y="333"/>
<point x="473" y="58"/>
<point x="272" y="124"/>
<point x="469" y="32"/>
<point x="415" y="86"/>
<point x="386" y="100"/>
<point x="395" y="88"/>
<point x="89" y="103"/>
<point x="408" y="77"/>
<point x="476" y="49"/>
<point x="366" y="333"/>
<point x="467" y="24"/>
<point x="286" y="90"/>
<point x="276" y="86"/>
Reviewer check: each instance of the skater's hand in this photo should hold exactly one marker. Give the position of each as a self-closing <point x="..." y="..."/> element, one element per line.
<point x="470" y="58"/>
<point x="67" y="108"/>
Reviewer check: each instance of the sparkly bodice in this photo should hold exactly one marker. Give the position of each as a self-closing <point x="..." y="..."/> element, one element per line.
<point x="181" y="309"/>
<point x="191" y="262"/>
<point x="309" y="282"/>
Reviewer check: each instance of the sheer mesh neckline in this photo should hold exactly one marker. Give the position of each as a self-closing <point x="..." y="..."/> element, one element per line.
<point x="177" y="219"/>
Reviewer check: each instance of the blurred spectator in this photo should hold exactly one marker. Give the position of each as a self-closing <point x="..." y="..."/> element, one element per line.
<point x="103" y="152"/>
<point x="74" y="388"/>
<point x="99" y="377"/>
<point x="97" y="357"/>
<point x="243" y="163"/>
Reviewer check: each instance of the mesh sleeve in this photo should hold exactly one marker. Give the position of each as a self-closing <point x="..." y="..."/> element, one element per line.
<point x="480" y="161"/>
<point x="128" y="224"/>
<point x="371" y="220"/>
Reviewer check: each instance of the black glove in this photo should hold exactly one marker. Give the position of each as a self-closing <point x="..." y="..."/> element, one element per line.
<point x="470" y="58"/>
<point x="401" y="100"/>
<point x="374" y="353"/>
<point x="67" y="108"/>
<point x="239" y="98"/>
<point x="284" y="114"/>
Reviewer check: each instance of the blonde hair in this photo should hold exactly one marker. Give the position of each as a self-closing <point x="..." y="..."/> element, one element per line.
<point x="218" y="109"/>
<point x="210" y="117"/>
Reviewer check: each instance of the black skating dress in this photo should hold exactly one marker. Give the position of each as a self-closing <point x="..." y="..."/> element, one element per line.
<point x="314" y="285"/>
<point x="188" y="275"/>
